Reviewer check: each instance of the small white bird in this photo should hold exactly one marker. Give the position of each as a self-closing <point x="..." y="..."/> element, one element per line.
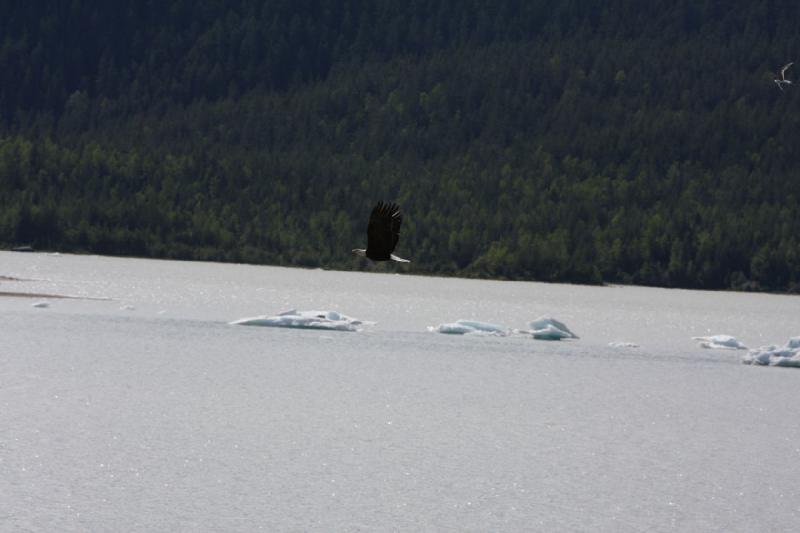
<point x="783" y="79"/>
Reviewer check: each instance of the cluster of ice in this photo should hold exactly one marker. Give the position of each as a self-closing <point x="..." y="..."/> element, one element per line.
<point x="549" y="329"/>
<point x="788" y="355"/>
<point x="543" y="328"/>
<point x="720" y="342"/>
<point x="329" y="320"/>
<point x="470" y="327"/>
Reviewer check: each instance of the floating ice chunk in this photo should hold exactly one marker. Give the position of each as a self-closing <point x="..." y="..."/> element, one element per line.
<point x="619" y="344"/>
<point x="41" y="305"/>
<point x="483" y="326"/>
<point x="788" y="355"/>
<point x="720" y="342"/>
<point x="330" y="320"/>
<point x="453" y="328"/>
<point x="550" y="329"/>
<point x="127" y="308"/>
<point x="470" y="327"/>
<point x="787" y="361"/>
<point x="551" y="333"/>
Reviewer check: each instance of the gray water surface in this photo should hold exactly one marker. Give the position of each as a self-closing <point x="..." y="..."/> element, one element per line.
<point x="144" y="410"/>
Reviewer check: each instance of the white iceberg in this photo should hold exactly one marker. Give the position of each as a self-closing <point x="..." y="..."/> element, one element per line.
<point x="622" y="344"/>
<point x="470" y="327"/>
<point x="720" y="342"/>
<point x="330" y="320"/>
<point x="788" y="355"/>
<point x="550" y="329"/>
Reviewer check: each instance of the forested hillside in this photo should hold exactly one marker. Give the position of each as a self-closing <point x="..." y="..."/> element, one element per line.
<point x="556" y="140"/>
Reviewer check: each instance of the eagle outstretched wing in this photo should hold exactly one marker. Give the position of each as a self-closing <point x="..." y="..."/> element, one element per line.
<point x="383" y="231"/>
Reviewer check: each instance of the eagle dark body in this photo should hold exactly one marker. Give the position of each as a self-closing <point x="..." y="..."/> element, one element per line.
<point x="383" y="231"/>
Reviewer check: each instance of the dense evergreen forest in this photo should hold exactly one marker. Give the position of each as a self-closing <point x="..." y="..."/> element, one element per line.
<point x="555" y="140"/>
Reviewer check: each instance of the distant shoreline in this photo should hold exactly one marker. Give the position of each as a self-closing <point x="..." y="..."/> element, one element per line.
<point x="32" y="295"/>
<point x="45" y="295"/>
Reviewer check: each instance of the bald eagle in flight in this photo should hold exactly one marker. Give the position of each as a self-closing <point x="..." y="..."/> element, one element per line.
<point x="383" y="232"/>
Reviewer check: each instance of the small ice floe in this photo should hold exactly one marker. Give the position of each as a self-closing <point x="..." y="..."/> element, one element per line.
<point x="330" y="320"/>
<point x="788" y="355"/>
<point x="127" y="308"/>
<point x="470" y="327"/>
<point x="619" y="344"/>
<point x="41" y="305"/>
<point x="720" y="342"/>
<point x="549" y="329"/>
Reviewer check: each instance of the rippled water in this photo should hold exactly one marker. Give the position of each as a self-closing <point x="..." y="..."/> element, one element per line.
<point x="144" y="410"/>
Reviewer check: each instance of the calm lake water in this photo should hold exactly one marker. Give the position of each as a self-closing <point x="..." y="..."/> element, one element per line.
<point x="137" y="407"/>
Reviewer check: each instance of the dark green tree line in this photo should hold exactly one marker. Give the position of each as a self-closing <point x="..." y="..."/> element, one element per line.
<point x="524" y="140"/>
